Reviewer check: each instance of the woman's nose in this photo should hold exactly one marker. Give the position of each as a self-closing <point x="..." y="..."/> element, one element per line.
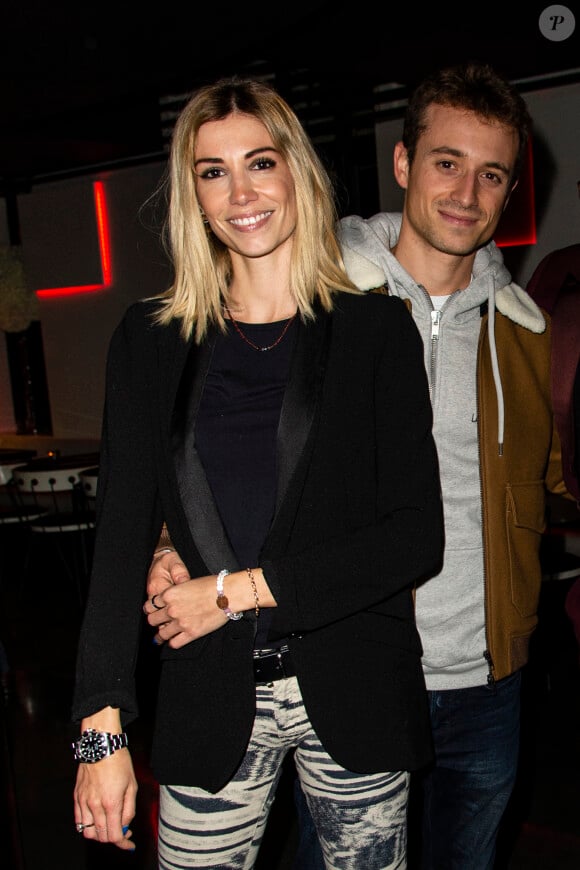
<point x="242" y="190"/>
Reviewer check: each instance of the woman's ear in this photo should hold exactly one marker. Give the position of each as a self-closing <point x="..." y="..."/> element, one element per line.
<point x="401" y="165"/>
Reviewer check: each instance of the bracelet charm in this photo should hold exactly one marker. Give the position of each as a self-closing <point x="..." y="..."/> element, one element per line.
<point x="221" y="599"/>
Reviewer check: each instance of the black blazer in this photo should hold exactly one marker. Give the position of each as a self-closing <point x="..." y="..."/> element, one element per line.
<point x="358" y="521"/>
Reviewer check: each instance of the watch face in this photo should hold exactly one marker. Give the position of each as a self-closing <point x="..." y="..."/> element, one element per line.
<point x="92" y="746"/>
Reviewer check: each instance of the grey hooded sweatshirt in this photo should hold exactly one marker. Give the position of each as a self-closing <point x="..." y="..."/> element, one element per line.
<point x="449" y="607"/>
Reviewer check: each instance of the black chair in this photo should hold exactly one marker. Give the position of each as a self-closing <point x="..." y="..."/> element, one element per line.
<point x="66" y="517"/>
<point x="12" y="509"/>
<point x="16" y="513"/>
<point x="89" y="479"/>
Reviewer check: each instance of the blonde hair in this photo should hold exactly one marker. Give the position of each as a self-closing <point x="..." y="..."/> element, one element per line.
<point x="201" y="263"/>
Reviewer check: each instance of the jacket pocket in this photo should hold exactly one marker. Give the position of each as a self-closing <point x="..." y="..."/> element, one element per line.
<point x="525" y="523"/>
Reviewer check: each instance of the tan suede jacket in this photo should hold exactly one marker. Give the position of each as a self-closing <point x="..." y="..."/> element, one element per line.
<point x="514" y="486"/>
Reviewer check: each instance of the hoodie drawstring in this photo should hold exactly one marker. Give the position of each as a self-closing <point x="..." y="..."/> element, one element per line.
<point x="495" y="369"/>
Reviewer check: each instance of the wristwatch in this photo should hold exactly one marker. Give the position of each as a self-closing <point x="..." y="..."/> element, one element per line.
<point x="95" y="745"/>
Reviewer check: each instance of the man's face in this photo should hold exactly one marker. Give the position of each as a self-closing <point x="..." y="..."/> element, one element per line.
<point x="459" y="182"/>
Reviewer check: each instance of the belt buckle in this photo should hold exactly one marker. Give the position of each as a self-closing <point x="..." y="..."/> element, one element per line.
<point x="280" y="655"/>
<point x="280" y="662"/>
<point x="273" y="665"/>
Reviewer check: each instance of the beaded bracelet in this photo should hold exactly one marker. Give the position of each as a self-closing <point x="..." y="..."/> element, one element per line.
<point x="255" y="591"/>
<point x="221" y="600"/>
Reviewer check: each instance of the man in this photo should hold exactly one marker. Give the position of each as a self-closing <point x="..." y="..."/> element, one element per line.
<point x="487" y="354"/>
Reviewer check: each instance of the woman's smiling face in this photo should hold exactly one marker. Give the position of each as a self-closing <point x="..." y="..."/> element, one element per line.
<point x="244" y="186"/>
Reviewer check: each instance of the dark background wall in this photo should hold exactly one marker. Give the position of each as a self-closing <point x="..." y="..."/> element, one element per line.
<point x="90" y="94"/>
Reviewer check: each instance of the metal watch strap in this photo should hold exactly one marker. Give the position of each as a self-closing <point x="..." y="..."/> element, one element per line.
<point x="118" y="741"/>
<point x="95" y="745"/>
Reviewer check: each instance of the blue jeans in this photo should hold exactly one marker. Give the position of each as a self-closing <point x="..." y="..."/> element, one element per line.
<point x="461" y="798"/>
<point x="464" y="794"/>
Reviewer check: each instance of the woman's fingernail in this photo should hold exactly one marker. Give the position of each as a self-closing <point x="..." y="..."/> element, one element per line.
<point x="125" y="828"/>
<point x="155" y="641"/>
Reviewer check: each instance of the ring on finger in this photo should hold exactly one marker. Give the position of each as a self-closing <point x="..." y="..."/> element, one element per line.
<point x="80" y="826"/>
<point x="156" y="606"/>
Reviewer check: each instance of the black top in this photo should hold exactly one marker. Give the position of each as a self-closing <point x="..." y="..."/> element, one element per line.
<point x="235" y="436"/>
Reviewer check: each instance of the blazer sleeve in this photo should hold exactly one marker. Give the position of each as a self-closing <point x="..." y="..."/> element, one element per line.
<point x="351" y="569"/>
<point x="128" y="524"/>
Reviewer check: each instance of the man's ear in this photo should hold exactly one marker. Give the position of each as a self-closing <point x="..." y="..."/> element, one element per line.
<point x="508" y="197"/>
<point x="401" y="165"/>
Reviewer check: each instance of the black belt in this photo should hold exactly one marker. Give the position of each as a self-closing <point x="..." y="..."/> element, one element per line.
<point x="273" y="664"/>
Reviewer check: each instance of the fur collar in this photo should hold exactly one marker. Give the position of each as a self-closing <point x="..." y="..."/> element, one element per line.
<point x="511" y="300"/>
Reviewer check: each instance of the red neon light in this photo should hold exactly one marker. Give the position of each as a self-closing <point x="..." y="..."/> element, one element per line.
<point x="518" y="224"/>
<point x="102" y="219"/>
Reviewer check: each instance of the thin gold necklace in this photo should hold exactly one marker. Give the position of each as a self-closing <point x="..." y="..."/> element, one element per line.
<point x="245" y="338"/>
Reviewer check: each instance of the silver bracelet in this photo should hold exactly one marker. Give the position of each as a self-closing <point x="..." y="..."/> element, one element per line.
<point x="164" y="550"/>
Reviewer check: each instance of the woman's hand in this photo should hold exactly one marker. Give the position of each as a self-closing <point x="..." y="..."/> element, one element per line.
<point x="166" y="570"/>
<point x="104" y="799"/>
<point x="185" y="611"/>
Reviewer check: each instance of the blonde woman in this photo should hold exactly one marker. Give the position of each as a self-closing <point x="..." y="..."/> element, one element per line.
<point x="279" y="421"/>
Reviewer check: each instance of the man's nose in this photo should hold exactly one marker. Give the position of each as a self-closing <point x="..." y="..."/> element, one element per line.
<point x="465" y="189"/>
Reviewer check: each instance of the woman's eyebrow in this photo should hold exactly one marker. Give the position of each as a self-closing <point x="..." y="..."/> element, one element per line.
<point x="247" y="156"/>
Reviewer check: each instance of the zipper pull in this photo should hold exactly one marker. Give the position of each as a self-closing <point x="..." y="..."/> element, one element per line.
<point x="435" y="320"/>
<point x="490" y="675"/>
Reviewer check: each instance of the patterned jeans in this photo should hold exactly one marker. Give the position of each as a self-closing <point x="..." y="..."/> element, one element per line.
<point x="361" y="819"/>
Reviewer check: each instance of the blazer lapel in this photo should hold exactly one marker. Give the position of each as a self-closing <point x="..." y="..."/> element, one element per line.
<point x="301" y="398"/>
<point x="198" y="502"/>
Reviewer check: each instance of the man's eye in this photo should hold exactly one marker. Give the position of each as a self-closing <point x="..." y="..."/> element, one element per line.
<point x="491" y="179"/>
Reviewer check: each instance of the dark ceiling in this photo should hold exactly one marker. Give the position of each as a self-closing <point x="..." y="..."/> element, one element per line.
<point x="82" y="84"/>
